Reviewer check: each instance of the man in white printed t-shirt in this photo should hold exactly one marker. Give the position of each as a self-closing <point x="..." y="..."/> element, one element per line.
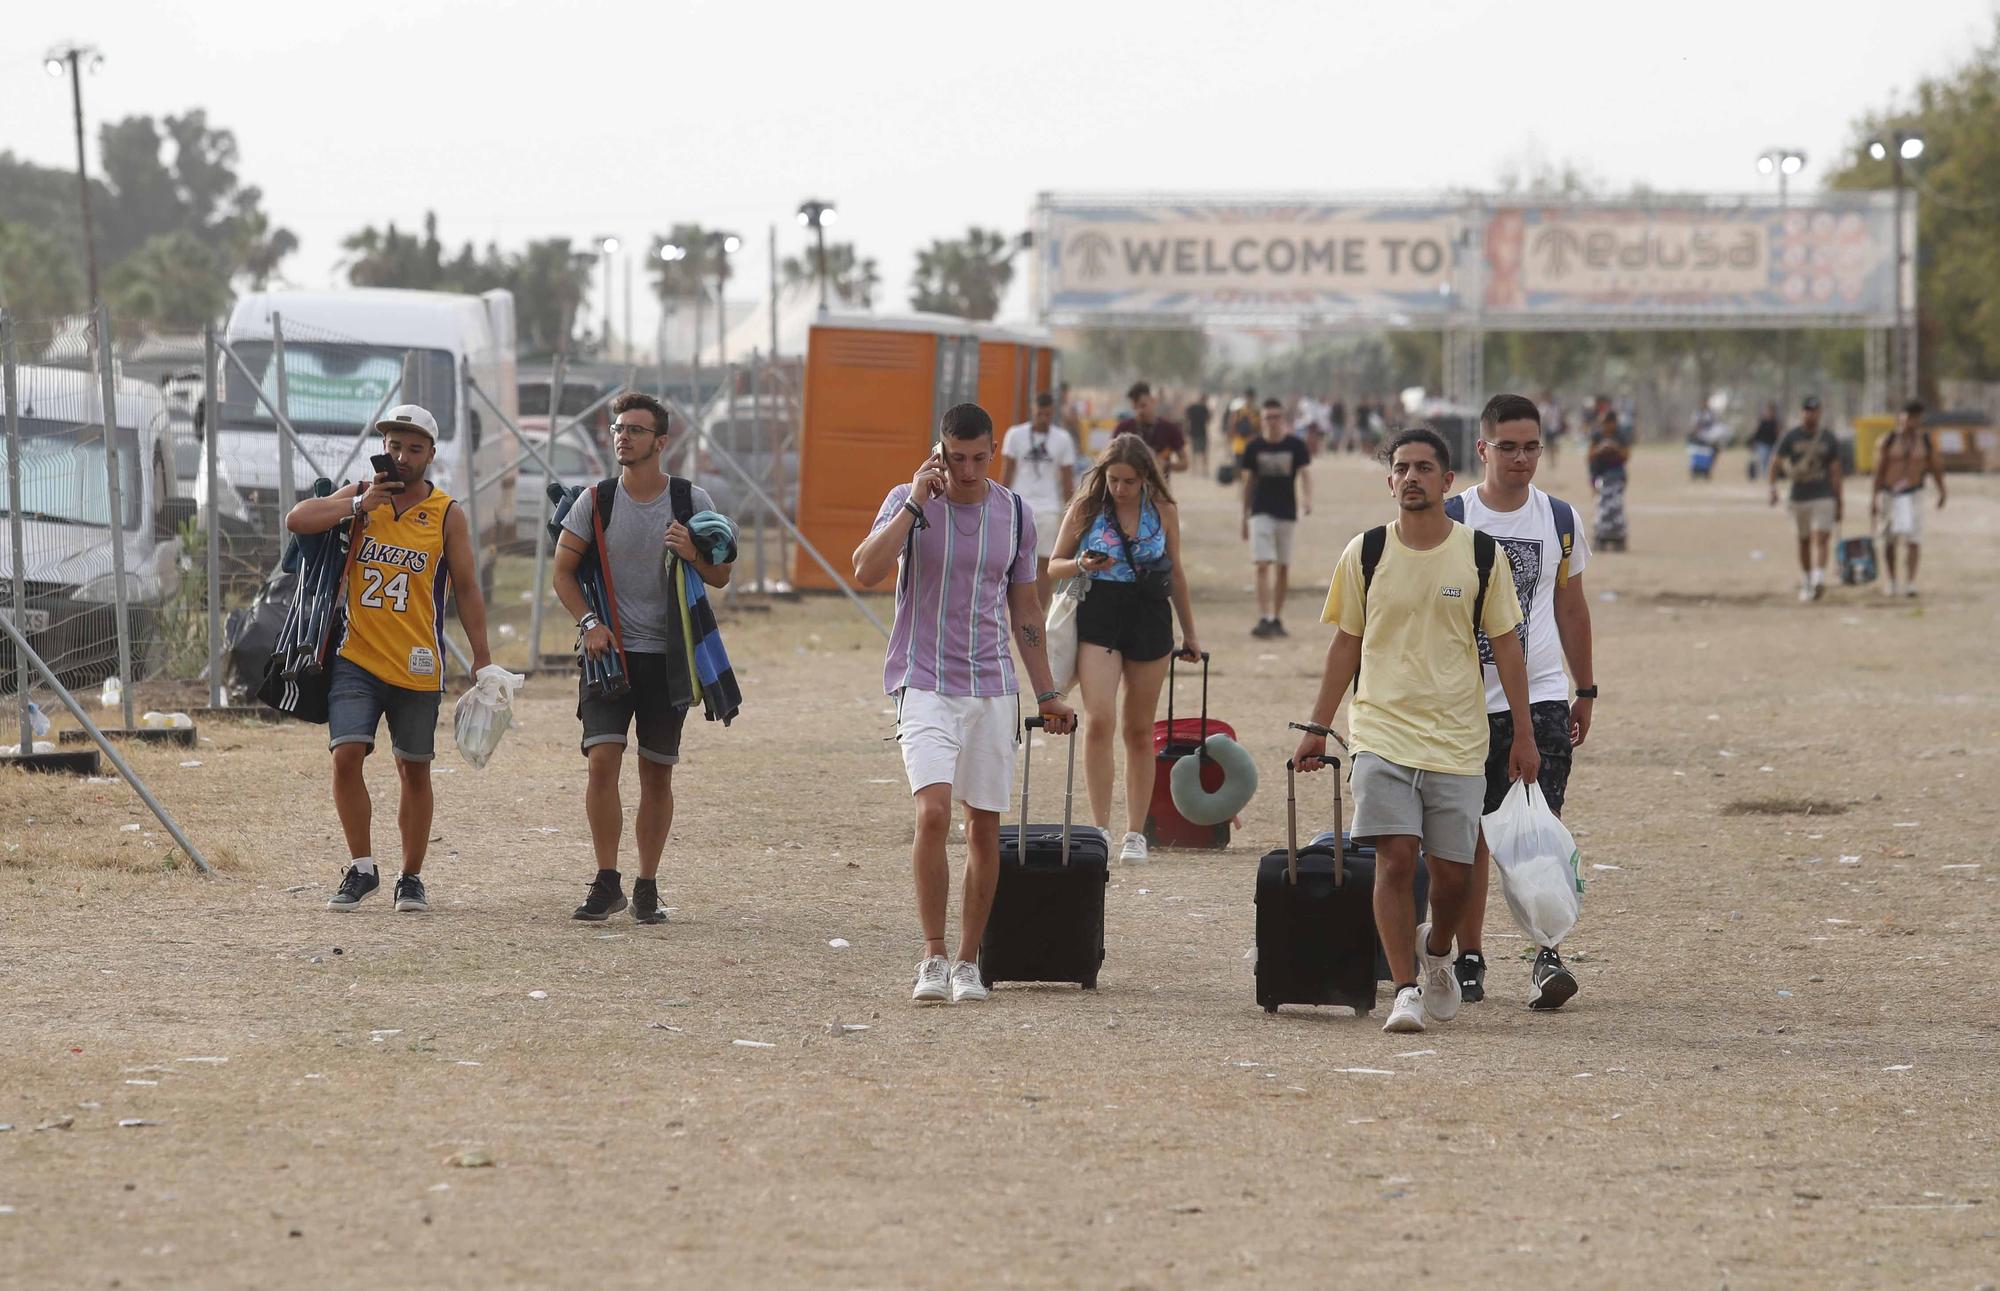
<point x="1546" y="549"/>
<point x="1038" y="462"/>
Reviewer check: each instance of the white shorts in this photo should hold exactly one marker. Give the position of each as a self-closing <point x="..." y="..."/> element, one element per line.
<point x="1048" y="522"/>
<point x="964" y="741"/>
<point x="1271" y="540"/>
<point x="1903" y="516"/>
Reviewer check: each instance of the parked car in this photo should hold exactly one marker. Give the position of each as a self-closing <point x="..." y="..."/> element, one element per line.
<point x="574" y="464"/>
<point x="760" y="434"/>
<point x="68" y="528"/>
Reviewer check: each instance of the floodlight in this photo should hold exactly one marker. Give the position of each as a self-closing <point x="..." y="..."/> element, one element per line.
<point x="1912" y="148"/>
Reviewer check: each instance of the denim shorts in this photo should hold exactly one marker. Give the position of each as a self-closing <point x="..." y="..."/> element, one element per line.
<point x="357" y="701"/>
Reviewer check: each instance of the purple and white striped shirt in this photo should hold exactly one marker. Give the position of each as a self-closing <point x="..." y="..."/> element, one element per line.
<point x="951" y="606"/>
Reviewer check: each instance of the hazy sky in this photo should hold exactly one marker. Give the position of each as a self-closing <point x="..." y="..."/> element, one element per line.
<point x="516" y="120"/>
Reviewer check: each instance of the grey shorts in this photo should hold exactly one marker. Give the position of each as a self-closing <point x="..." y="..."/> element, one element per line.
<point x="357" y="701"/>
<point x="1442" y="810"/>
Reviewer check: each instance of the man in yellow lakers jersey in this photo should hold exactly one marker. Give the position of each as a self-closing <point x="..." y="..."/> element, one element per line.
<point x="410" y="543"/>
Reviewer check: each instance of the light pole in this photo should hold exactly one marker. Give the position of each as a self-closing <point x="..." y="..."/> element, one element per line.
<point x="607" y="246"/>
<point x="1900" y="146"/>
<point x="71" y="59"/>
<point x="816" y="215"/>
<point x="722" y="245"/>
<point x="1784" y="163"/>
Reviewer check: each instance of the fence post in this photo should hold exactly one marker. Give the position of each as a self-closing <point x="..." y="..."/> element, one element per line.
<point x="288" y="491"/>
<point x="114" y="495"/>
<point x="211" y="431"/>
<point x="542" y="528"/>
<point x="757" y="437"/>
<point x="17" y="537"/>
<point x="470" y="464"/>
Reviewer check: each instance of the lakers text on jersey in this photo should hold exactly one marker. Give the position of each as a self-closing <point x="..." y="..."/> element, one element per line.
<point x="395" y="596"/>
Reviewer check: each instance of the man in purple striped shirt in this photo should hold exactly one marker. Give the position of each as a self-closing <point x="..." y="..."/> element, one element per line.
<point x="966" y="551"/>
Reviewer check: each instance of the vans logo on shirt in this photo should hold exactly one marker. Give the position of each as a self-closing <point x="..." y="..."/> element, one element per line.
<point x="1452" y="592"/>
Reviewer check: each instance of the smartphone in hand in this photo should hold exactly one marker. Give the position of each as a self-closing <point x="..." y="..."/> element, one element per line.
<point x="385" y="465"/>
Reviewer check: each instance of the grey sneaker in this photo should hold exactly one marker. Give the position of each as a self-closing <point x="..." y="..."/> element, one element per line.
<point x="410" y="893"/>
<point x="354" y="888"/>
<point x="1438" y="979"/>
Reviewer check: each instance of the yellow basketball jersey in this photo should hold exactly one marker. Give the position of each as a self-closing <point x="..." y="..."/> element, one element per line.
<point x="395" y="596"/>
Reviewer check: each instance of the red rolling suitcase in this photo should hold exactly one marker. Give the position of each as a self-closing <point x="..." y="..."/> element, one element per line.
<point x="1172" y="741"/>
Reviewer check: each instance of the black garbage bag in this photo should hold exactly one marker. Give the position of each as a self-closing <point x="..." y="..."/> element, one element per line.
<point x="251" y="633"/>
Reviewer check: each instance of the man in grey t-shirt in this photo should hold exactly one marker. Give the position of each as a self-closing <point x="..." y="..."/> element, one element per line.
<point x="1810" y="457"/>
<point x="641" y="541"/>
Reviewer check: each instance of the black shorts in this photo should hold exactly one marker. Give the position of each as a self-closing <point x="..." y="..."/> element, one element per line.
<point x="1551" y="722"/>
<point x="1116" y="616"/>
<point x="648" y="699"/>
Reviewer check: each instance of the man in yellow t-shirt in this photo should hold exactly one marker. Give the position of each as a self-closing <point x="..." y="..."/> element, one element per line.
<point x="1418" y="721"/>
<point x="414" y="545"/>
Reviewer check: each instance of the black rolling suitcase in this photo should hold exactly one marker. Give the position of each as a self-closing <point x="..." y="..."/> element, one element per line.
<point x="1316" y="941"/>
<point x="1420" y="885"/>
<point x="1047" y="923"/>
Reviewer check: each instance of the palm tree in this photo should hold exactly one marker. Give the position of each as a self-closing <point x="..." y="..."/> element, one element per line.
<point x="849" y="279"/>
<point x="689" y="276"/>
<point x="257" y="248"/>
<point x="966" y="277"/>
<point x="173" y="282"/>
<point x="549" y="280"/>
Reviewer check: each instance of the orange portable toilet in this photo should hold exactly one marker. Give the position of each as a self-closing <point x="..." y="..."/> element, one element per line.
<point x="1008" y="365"/>
<point x="875" y="390"/>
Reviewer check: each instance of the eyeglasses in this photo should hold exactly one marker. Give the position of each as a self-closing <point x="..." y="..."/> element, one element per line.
<point x="1533" y="448"/>
<point x="631" y="428"/>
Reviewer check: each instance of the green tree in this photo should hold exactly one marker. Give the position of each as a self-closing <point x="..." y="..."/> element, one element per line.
<point x="549" y="281"/>
<point x="174" y="282"/>
<point x="38" y="274"/>
<point x="964" y="276"/>
<point x="1116" y="355"/>
<point x="849" y="279"/>
<point x="1956" y="201"/>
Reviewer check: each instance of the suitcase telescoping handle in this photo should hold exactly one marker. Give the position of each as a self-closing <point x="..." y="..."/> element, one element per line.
<point x="1292" y="808"/>
<point x="1201" y="747"/>
<point x="1032" y="725"/>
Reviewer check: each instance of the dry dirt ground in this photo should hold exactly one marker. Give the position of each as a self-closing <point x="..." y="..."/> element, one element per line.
<point x="1779" y="1070"/>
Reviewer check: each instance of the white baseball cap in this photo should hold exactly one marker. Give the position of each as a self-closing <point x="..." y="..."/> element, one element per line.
<point x="408" y="416"/>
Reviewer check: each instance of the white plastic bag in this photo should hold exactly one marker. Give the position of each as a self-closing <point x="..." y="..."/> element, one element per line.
<point x="1540" y="871"/>
<point x="484" y="713"/>
<point x="1061" y="631"/>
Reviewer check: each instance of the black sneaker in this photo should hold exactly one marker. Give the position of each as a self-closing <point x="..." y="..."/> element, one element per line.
<point x="1471" y="968"/>
<point x="606" y="898"/>
<point x="410" y="893"/>
<point x="354" y="888"/>
<point x="646" y="901"/>
<point x="1278" y="628"/>
<point x="1263" y="628"/>
<point x="1550" y="984"/>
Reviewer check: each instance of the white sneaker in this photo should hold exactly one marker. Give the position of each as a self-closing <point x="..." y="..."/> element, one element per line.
<point x="966" y="987"/>
<point x="1818" y="583"/>
<point x="1909" y="589"/>
<point x="1134" y="852"/>
<point x="1407" y="1014"/>
<point x="1806" y="588"/>
<point x="933" y="981"/>
<point x="1892" y="588"/>
<point x="1437" y="978"/>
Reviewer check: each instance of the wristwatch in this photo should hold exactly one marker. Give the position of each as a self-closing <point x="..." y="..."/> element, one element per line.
<point x="587" y="622"/>
<point x="1586" y="692"/>
<point x="357" y="504"/>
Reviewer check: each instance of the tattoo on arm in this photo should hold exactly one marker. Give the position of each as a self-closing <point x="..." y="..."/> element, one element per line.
<point x="1031" y="634"/>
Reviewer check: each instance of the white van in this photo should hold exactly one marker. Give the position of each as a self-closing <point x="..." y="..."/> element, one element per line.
<point x="67" y="527"/>
<point x="344" y="355"/>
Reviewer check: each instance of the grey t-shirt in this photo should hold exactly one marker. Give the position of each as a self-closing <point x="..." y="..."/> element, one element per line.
<point x="1808" y="459"/>
<point x="635" y="542"/>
